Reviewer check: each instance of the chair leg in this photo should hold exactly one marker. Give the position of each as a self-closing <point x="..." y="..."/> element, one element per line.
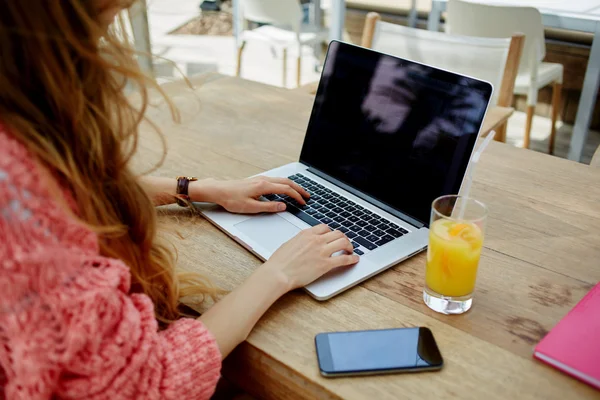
<point x="238" y="68"/>
<point x="299" y="71"/>
<point x="530" y="112"/>
<point x="556" y="94"/>
<point x="284" y="67"/>
<point x="501" y="133"/>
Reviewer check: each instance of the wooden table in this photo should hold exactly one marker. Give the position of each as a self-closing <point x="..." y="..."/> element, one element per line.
<point x="541" y="255"/>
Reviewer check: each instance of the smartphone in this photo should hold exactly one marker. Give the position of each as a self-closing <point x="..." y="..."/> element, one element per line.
<point x="377" y="352"/>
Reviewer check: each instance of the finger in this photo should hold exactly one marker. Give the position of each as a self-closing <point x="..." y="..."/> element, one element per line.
<point x="339" y="245"/>
<point x="278" y="188"/>
<point x="333" y="236"/>
<point x="319" y="229"/>
<point x="257" y="206"/>
<point x="294" y="185"/>
<point x="343" y="260"/>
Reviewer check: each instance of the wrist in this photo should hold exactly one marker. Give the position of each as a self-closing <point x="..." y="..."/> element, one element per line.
<point x="276" y="281"/>
<point x="205" y="190"/>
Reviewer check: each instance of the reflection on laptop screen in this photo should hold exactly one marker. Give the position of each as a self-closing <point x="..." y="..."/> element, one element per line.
<point x="398" y="131"/>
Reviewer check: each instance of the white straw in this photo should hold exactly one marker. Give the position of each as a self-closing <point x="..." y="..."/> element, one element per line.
<point x="474" y="161"/>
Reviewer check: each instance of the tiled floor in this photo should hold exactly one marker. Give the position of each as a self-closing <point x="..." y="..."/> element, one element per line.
<point x="198" y="54"/>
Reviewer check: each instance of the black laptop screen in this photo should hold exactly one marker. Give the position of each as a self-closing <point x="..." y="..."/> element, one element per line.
<point x="398" y="131"/>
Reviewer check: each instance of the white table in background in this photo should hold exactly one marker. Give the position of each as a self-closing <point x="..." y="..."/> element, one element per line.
<point x="574" y="15"/>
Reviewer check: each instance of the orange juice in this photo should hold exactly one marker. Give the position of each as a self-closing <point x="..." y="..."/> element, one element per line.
<point x="452" y="257"/>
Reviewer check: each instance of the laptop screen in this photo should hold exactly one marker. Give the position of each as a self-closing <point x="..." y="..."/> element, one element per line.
<point x="398" y="131"/>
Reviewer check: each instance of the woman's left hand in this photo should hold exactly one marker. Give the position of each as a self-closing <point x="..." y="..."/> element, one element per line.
<point x="242" y="196"/>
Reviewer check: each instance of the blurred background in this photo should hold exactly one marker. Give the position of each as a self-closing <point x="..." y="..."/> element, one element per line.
<point x="200" y="37"/>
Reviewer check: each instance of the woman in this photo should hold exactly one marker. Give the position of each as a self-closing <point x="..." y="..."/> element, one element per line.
<point x="84" y="280"/>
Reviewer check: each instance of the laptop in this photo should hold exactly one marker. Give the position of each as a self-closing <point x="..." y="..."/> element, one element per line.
<point x="386" y="136"/>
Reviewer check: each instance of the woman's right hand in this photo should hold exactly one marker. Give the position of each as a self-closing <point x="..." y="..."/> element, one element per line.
<point x="307" y="256"/>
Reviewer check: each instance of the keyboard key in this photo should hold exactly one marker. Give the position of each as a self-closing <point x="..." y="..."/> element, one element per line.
<point x="362" y="223"/>
<point x="303" y="216"/>
<point x="342" y="204"/>
<point x="316" y="206"/>
<point x="377" y="224"/>
<point x="326" y="220"/>
<point x="319" y="216"/>
<point x="351" y="203"/>
<point x="359" y="252"/>
<point x="320" y="186"/>
<point x="345" y="214"/>
<point x="370" y="228"/>
<point x="310" y="180"/>
<point x="320" y="192"/>
<point x="327" y="190"/>
<point x="394" y="233"/>
<point x="384" y="227"/>
<point x="394" y="226"/>
<point x="367" y="218"/>
<point x="355" y="245"/>
<point x="338" y="210"/>
<point x="310" y="211"/>
<point x="372" y="238"/>
<point x="364" y="233"/>
<point x="376" y="216"/>
<point x="384" y="240"/>
<point x="350" y="209"/>
<point x="358" y="213"/>
<point x="368" y="212"/>
<point x="365" y="243"/>
<point x="339" y="219"/>
<point x="359" y="207"/>
<point x="330" y="214"/>
<point x="335" y="201"/>
<point x="403" y="231"/>
<point x="347" y="224"/>
<point x="342" y="229"/>
<point x="379" y="233"/>
<point x="329" y="205"/>
<point x="355" y="228"/>
<point x="334" y="225"/>
<point x="350" y="234"/>
<point x="354" y="219"/>
<point x="334" y="194"/>
<point x="327" y="196"/>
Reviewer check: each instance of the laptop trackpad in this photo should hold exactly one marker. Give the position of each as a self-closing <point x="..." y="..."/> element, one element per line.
<point x="269" y="231"/>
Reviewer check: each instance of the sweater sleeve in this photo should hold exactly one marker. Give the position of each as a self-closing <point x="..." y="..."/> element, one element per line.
<point x="69" y="328"/>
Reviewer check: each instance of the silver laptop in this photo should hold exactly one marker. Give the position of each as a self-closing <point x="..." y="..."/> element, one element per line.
<point x="385" y="138"/>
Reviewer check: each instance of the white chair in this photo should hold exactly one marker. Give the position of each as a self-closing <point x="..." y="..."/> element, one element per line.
<point x="494" y="60"/>
<point x="465" y="18"/>
<point x="285" y="29"/>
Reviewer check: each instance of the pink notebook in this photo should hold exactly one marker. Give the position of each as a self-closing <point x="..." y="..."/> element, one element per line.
<point x="573" y="346"/>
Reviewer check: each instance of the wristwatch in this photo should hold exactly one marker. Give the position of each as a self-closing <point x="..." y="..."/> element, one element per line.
<point x="183" y="184"/>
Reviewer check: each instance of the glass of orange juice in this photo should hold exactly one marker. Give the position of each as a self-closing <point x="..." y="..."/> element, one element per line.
<point x="455" y="239"/>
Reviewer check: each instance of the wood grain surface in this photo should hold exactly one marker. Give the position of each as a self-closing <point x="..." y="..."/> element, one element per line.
<point x="541" y="255"/>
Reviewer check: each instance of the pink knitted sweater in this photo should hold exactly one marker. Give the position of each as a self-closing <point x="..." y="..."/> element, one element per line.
<point x="69" y="328"/>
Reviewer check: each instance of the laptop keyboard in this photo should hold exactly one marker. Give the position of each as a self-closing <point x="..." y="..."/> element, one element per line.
<point x="364" y="228"/>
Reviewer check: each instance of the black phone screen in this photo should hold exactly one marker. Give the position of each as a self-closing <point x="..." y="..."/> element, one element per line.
<point x="377" y="351"/>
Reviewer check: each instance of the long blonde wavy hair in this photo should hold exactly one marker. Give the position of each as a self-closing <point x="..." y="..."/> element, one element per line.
<point x="62" y="94"/>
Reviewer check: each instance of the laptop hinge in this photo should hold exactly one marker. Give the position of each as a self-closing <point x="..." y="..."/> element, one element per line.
<point x="408" y="219"/>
